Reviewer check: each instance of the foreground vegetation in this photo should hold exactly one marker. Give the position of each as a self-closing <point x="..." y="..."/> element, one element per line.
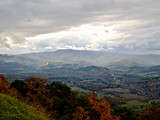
<point x="59" y="102"/>
<point x="12" y="109"/>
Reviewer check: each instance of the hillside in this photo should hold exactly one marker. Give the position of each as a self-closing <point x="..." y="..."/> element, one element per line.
<point x="12" y="109"/>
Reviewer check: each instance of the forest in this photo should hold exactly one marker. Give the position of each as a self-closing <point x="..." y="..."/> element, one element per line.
<point x="60" y="102"/>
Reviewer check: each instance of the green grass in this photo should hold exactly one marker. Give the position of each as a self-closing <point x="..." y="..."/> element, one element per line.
<point x="74" y="88"/>
<point x="134" y="104"/>
<point x="12" y="109"/>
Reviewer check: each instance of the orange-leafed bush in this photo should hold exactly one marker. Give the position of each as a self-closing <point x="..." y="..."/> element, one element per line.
<point x="5" y="87"/>
<point x="80" y="114"/>
<point x="150" y="113"/>
<point x="36" y="91"/>
<point x="103" y="107"/>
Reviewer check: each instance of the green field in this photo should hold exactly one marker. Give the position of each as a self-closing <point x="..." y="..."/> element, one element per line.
<point x="134" y="104"/>
<point x="78" y="89"/>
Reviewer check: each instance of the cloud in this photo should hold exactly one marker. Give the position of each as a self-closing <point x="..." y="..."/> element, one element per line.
<point x="84" y="24"/>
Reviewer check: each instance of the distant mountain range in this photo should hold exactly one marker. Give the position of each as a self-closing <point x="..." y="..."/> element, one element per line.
<point x="81" y="57"/>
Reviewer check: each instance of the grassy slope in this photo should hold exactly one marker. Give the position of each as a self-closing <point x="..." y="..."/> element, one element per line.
<point x="11" y="109"/>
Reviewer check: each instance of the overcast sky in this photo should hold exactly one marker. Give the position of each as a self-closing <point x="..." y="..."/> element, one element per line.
<point x="126" y="26"/>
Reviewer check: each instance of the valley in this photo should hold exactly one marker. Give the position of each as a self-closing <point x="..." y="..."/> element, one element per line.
<point x="121" y="80"/>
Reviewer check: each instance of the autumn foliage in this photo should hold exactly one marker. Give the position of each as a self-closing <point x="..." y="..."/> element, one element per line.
<point x="61" y="103"/>
<point x="4" y="86"/>
<point x="37" y="92"/>
<point x="80" y="114"/>
<point x="103" y="107"/>
<point x="150" y="113"/>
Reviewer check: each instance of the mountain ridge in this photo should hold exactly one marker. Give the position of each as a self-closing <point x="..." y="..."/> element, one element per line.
<point x="85" y="57"/>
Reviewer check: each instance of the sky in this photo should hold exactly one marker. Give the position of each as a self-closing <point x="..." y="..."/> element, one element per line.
<point x="123" y="26"/>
